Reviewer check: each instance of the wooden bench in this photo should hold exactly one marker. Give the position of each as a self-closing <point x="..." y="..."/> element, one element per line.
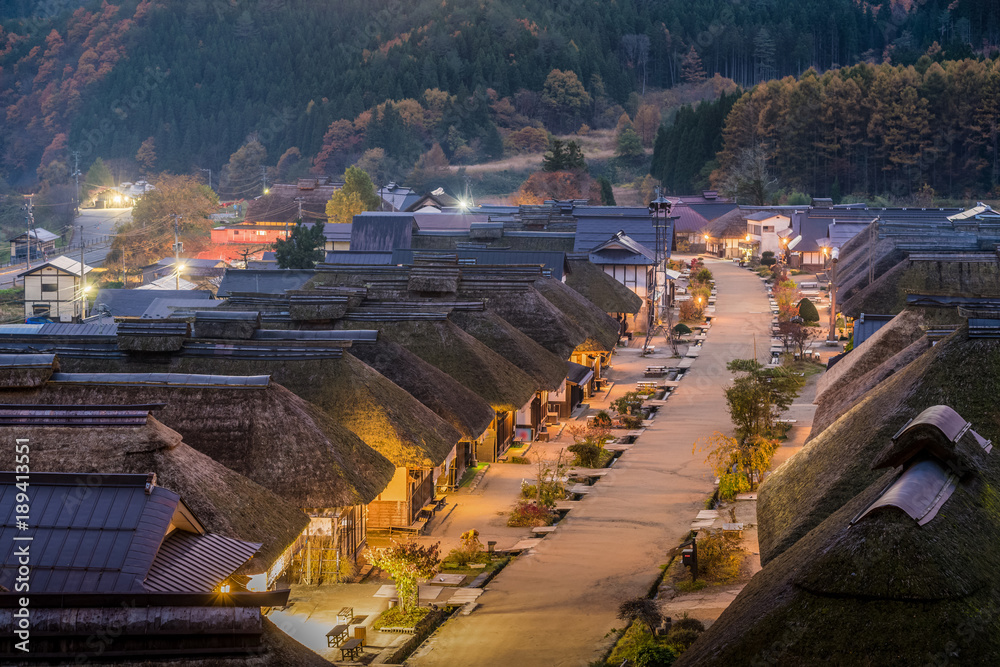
<point x="351" y="649"/>
<point x="337" y="636"/>
<point x="417" y="527"/>
<point x="345" y="615"/>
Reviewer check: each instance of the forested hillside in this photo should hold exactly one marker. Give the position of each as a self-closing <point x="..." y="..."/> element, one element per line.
<point x="915" y="131"/>
<point x="193" y="79"/>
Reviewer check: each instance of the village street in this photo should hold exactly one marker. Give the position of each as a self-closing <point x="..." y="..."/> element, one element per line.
<point x="556" y="604"/>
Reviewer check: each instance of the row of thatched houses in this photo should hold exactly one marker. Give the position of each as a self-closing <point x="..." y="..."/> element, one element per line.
<point x="300" y="419"/>
<point x="879" y="540"/>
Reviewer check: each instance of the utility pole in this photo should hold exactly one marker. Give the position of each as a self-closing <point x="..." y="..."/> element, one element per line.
<point x="83" y="281"/>
<point x="834" y="257"/>
<point x="177" y="252"/>
<point x="298" y="200"/>
<point x="263" y="179"/>
<point x="29" y="221"/>
<point x="76" y="177"/>
<point x="209" y="176"/>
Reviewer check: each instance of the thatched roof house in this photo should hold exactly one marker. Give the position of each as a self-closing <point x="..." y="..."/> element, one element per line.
<point x="903" y="572"/>
<point x="836" y="465"/>
<point x="248" y="424"/>
<point x="443" y="344"/>
<point x="601" y="289"/>
<point x="865" y="366"/>
<point x="224" y="501"/>
<point x="444" y="395"/>
<point x="601" y="329"/>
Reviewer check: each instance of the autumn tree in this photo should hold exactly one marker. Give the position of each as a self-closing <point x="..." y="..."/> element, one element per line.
<point x="149" y="235"/>
<point x="749" y="180"/>
<point x="429" y="166"/>
<point x="98" y="176"/>
<point x="303" y="248"/>
<point x="758" y="396"/>
<point x="692" y="70"/>
<point x="564" y="99"/>
<point x="146" y="157"/>
<point x="357" y="196"/>
<point x="340" y="143"/>
<point x="288" y="163"/>
<point x="647" y="120"/>
<point x="407" y="563"/>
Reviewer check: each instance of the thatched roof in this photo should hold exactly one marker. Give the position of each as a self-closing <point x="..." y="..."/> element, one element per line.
<point x="841" y="386"/>
<point x="535" y="316"/>
<point x="835" y="465"/>
<point x="601" y="329"/>
<point x="263" y="432"/>
<point x="442" y="344"/>
<point x="874" y="590"/>
<point x="731" y="225"/>
<point x="355" y="396"/>
<point x="496" y="333"/>
<point x="224" y="501"/>
<point x="443" y="394"/>
<point x="601" y="289"/>
<point x="26" y="370"/>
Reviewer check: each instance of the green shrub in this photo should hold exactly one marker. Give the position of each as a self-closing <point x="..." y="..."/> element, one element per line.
<point x="807" y="311"/>
<point x="640" y="647"/>
<point x="520" y="460"/>
<point x="631" y="421"/>
<point x="588" y="454"/>
<point x="682" y="639"/>
<point x="687" y="623"/>
<point x="682" y="329"/>
<point x="720" y="556"/>
<point x="602" y="420"/>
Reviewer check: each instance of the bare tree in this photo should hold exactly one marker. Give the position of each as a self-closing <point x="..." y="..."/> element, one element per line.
<point x="635" y="55"/>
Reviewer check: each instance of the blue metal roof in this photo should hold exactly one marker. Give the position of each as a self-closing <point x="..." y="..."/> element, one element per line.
<point x="592" y="232"/>
<point x="263" y="281"/>
<point x="381" y="232"/>
<point x="358" y="258"/>
<point x="866" y="325"/>
<point x="102" y="540"/>
<point x="134" y="302"/>
<point x="550" y="260"/>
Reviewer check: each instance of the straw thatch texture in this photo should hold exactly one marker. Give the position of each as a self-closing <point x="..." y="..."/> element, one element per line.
<point x="888" y="293"/>
<point x="150" y="343"/>
<point x="896" y="334"/>
<point x="446" y="396"/>
<point x="836" y="465"/>
<point x="836" y="403"/>
<point x="234" y="325"/>
<point x="442" y="344"/>
<point x="26" y="370"/>
<point x="601" y="329"/>
<point x="601" y="289"/>
<point x="354" y="395"/>
<point x="545" y="368"/>
<point x="534" y="316"/>
<point x="884" y="591"/>
<point x="224" y="501"/>
<point x="269" y="435"/>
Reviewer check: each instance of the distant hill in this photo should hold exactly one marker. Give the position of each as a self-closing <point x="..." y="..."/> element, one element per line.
<point x="199" y="76"/>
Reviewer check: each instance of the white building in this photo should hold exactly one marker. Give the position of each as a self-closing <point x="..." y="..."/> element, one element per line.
<point x="53" y="290"/>
<point x="764" y="231"/>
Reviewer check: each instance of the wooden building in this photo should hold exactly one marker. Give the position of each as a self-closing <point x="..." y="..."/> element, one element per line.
<point x="54" y="289"/>
<point x="42" y="243"/>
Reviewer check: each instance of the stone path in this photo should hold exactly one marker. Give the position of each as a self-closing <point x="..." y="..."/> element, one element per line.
<point x="556" y="604"/>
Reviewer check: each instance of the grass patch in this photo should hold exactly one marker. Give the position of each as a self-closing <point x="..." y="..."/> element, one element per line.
<point x="395" y="618"/>
<point x="452" y="568"/>
<point x="640" y="647"/>
<point x="470" y="473"/>
<point x="519" y="460"/>
<point x="688" y="586"/>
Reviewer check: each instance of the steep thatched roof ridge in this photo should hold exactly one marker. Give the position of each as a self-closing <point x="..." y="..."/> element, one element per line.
<point x="447" y="397"/>
<point x="494" y="332"/>
<point x="266" y="433"/>
<point x="354" y="395"/>
<point x="26" y="370"/>
<point x="442" y="344"/>
<point x="600" y="288"/>
<point x="224" y="501"/>
<point x="834" y="466"/>
<point x="836" y="403"/>
<point x="883" y="591"/>
<point x="895" y="335"/>
<point x="601" y="329"/>
<point x="534" y="316"/>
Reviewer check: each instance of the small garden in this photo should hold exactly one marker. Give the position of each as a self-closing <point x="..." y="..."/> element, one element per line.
<point x="650" y="640"/>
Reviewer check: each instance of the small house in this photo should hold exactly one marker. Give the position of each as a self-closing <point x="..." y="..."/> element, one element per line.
<point x="55" y="290"/>
<point x="42" y="243"/>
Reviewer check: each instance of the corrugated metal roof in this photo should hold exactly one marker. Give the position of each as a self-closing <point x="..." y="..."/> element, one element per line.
<point x="75" y="415"/>
<point x="361" y="335"/>
<point x="866" y="326"/>
<point x="163" y="380"/>
<point x="592" y="232"/>
<point x="266" y="281"/>
<point x="135" y="302"/>
<point x="91" y="533"/>
<point x="27" y="360"/>
<point x="381" y="232"/>
<point x="578" y="374"/>
<point x="358" y="258"/>
<point x="920" y="491"/>
<point x="63" y="263"/>
<point x="188" y="562"/>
